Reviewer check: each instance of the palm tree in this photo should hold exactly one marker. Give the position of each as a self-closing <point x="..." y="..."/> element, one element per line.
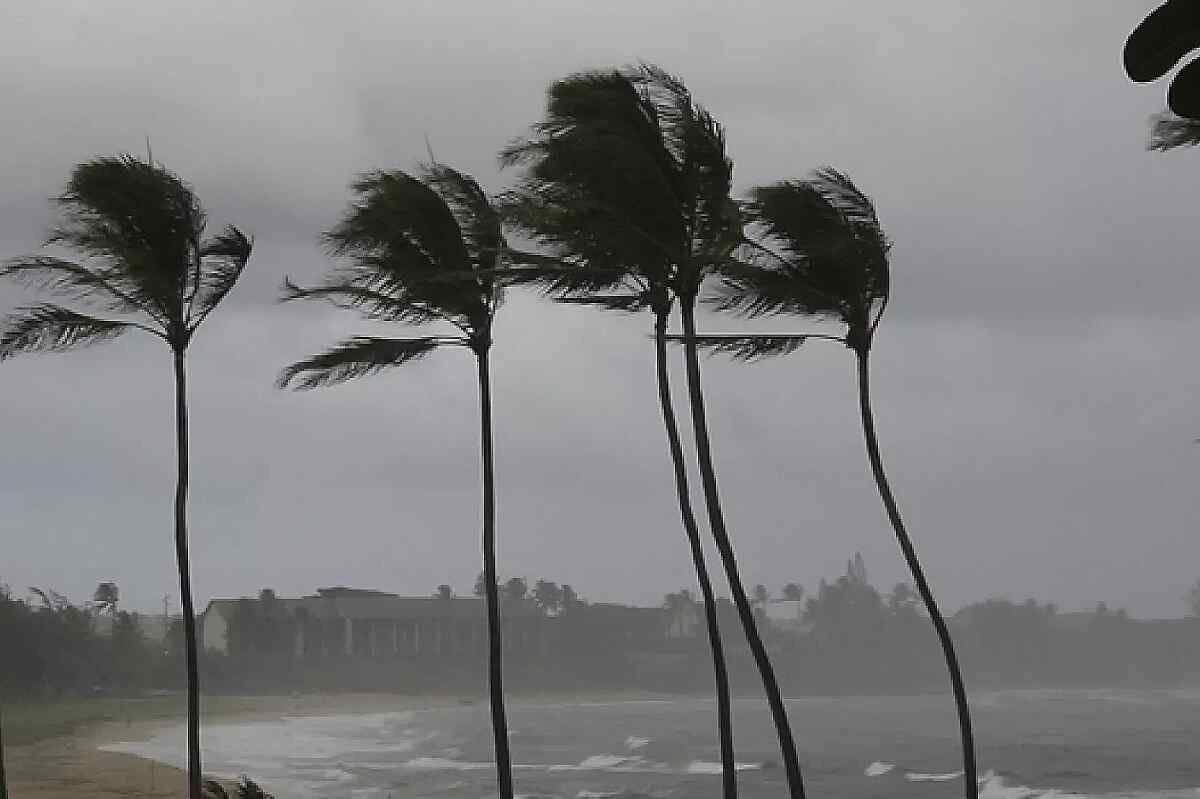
<point x="107" y="596"/>
<point x="424" y="249"/>
<point x="626" y="181"/>
<point x="823" y="254"/>
<point x="141" y="232"/>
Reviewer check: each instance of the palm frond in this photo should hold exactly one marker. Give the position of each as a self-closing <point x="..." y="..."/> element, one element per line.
<point x="1168" y="132"/>
<point x="821" y="251"/>
<point x="373" y="304"/>
<point x="358" y="357"/>
<point x="396" y="212"/>
<point x="52" y="328"/>
<point x="222" y="261"/>
<point x="108" y="288"/>
<point x="599" y="181"/>
<point x="479" y="221"/>
<point x="628" y="303"/>
<point x="746" y="348"/>
<point x="138" y="218"/>
<point x="778" y="288"/>
<point x="405" y="238"/>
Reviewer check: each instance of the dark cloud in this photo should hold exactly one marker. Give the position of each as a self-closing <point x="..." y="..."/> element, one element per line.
<point x="1036" y="386"/>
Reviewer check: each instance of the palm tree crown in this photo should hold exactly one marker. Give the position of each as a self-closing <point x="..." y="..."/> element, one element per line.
<point x="822" y="253"/>
<point x="424" y="249"/>
<point x="140" y="230"/>
<point x="627" y="178"/>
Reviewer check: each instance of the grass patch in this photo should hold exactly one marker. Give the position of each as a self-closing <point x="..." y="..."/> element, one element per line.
<point x="27" y="722"/>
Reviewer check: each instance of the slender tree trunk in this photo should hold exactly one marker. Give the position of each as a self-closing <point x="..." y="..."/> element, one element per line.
<point x="720" y="674"/>
<point x="970" y="775"/>
<point x="195" y="778"/>
<point x="491" y="590"/>
<point x="3" y="779"/>
<point x="708" y="478"/>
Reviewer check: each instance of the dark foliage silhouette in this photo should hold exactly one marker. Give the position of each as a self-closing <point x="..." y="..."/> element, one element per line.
<point x="246" y="789"/>
<point x="1158" y="43"/>
<point x="627" y="183"/>
<point x="424" y="249"/>
<point x="823" y="254"/>
<point x="147" y="265"/>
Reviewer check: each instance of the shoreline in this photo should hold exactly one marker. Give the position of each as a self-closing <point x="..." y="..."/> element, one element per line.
<point x="71" y="765"/>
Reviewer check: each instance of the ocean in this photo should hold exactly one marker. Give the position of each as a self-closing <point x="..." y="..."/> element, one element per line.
<point x="1036" y="744"/>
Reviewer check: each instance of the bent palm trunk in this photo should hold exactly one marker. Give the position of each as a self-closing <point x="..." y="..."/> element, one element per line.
<point x="195" y="789"/>
<point x="491" y="590"/>
<point x="970" y="776"/>
<point x="721" y="676"/>
<point x="708" y="478"/>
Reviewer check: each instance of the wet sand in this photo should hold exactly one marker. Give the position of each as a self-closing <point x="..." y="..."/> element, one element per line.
<point x="72" y="767"/>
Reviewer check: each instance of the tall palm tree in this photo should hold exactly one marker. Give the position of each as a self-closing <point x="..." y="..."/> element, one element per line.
<point x="423" y="249"/>
<point x="627" y="181"/>
<point x="824" y="254"/>
<point x="141" y="232"/>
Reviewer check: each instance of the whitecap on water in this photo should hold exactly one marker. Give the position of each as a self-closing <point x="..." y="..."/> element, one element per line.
<point x="708" y="767"/>
<point x="878" y="769"/>
<point x="918" y="777"/>
<point x="634" y="742"/>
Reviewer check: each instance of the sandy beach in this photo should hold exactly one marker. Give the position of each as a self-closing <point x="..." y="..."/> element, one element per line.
<point x="71" y="766"/>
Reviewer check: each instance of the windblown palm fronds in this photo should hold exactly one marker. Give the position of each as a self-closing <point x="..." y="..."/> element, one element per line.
<point x="424" y="249"/>
<point x="146" y="265"/>
<point x="820" y="252"/>
<point x="625" y="183"/>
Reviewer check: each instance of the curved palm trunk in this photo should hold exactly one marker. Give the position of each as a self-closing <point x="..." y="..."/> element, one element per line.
<point x="716" y="518"/>
<point x="185" y="581"/>
<point x="970" y="775"/>
<point x="721" y="676"/>
<point x="491" y="590"/>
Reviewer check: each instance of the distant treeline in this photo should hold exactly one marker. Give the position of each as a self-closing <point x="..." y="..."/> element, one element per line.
<point x="848" y="637"/>
<point x="52" y="649"/>
<point x="853" y="638"/>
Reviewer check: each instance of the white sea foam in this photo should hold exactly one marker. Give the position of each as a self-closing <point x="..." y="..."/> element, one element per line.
<point x="708" y="767"/>
<point x="918" y="777"/>
<point x="634" y="742"/>
<point x="444" y="764"/>
<point x="606" y="761"/>
<point x="878" y="769"/>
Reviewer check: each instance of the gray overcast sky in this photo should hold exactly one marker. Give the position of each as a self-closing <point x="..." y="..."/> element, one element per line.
<point x="1036" y="381"/>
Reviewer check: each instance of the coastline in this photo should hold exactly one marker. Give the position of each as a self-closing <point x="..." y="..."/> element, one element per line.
<point x="72" y="766"/>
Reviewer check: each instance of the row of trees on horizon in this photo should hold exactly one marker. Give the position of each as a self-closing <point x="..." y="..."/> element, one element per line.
<point x="624" y="188"/>
<point x="849" y="637"/>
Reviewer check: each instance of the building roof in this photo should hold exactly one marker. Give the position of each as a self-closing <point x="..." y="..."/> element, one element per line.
<point x="378" y="605"/>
